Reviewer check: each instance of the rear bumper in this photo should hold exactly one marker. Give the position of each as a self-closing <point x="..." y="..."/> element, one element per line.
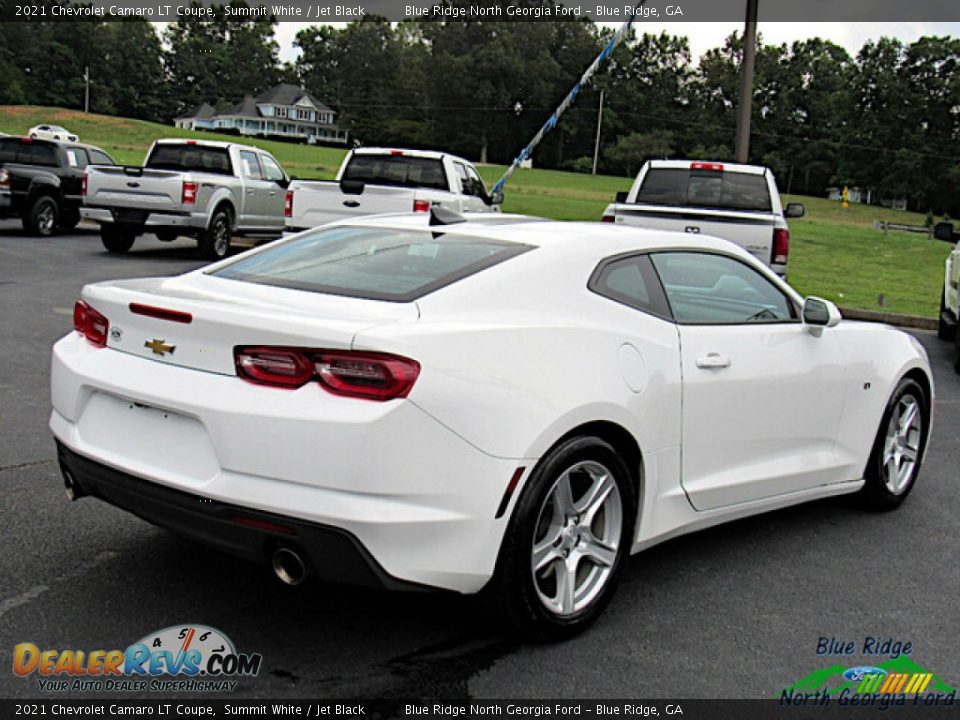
<point x="151" y="219"/>
<point x="332" y="554"/>
<point x="418" y="497"/>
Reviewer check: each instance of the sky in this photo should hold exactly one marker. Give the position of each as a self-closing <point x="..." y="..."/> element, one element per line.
<point x="704" y="36"/>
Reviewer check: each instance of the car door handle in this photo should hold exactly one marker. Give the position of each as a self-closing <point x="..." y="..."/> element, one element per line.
<point x="713" y="361"/>
<point x="273" y="193"/>
<point x="351" y="203"/>
<point x="250" y="191"/>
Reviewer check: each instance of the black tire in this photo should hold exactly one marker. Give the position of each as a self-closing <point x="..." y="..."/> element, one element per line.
<point x="879" y="491"/>
<point x="956" y="353"/>
<point x="116" y="240"/>
<point x="945" y="331"/>
<point x="214" y="242"/>
<point x="42" y="217"/>
<point x="69" y="219"/>
<point x="515" y="589"/>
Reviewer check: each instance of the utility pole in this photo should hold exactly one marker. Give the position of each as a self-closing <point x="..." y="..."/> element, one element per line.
<point x="746" y="82"/>
<point x="86" y="94"/>
<point x="596" y="143"/>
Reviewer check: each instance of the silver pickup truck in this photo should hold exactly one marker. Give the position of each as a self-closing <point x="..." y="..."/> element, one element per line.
<point x="207" y="190"/>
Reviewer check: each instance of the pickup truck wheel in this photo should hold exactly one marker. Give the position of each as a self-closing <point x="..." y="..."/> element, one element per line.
<point x="945" y="331"/>
<point x="42" y="217"/>
<point x="214" y="242"/>
<point x="69" y="219"/>
<point x="116" y="240"/>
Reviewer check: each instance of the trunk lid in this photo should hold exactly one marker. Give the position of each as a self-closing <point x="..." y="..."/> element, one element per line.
<point x="320" y="202"/>
<point x="224" y="313"/>
<point x="135" y="188"/>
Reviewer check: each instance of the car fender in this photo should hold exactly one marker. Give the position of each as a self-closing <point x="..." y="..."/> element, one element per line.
<point x="44" y="183"/>
<point x="222" y="196"/>
<point x="877" y="357"/>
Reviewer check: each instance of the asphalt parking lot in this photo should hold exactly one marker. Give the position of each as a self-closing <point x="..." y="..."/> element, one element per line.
<point x="732" y="612"/>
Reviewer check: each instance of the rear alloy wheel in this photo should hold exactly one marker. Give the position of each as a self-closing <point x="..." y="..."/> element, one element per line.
<point x="898" y="449"/>
<point x="43" y="217"/>
<point x="214" y="242"/>
<point x="115" y="239"/>
<point x="565" y="547"/>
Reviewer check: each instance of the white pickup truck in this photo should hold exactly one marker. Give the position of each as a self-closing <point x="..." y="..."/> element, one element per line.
<point x="372" y="181"/>
<point x="203" y="189"/>
<point x="739" y="203"/>
<point x="950" y="295"/>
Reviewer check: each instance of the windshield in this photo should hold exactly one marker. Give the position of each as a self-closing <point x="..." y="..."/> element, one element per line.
<point x="721" y="190"/>
<point x="373" y="263"/>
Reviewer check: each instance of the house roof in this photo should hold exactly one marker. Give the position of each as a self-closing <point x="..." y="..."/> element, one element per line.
<point x="289" y="94"/>
<point x="245" y="108"/>
<point x="203" y="111"/>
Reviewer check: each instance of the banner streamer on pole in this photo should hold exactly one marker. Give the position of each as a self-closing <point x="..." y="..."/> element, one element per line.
<point x="571" y="96"/>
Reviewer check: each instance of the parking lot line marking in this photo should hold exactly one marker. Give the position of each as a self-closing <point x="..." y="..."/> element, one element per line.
<point x="33" y="593"/>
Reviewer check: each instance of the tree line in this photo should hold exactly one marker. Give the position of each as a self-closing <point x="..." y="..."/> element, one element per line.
<point x="886" y="119"/>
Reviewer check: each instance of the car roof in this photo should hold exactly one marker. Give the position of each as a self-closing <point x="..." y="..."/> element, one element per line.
<point x="405" y="152"/>
<point x="588" y="240"/>
<point x="727" y="166"/>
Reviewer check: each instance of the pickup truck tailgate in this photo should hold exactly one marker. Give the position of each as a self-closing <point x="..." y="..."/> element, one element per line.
<point x="751" y="230"/>
<point x="131" y="187"/>
<point x="319" y="202"/>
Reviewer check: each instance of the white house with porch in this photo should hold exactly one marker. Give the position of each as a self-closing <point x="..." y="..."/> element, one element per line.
<point x="284" y="109"/>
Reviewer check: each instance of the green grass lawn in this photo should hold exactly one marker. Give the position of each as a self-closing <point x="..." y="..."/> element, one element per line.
<point x="835" y="252"/>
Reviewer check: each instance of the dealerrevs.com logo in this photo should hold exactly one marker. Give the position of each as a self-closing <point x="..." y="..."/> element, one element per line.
<point x="187" y="658"/>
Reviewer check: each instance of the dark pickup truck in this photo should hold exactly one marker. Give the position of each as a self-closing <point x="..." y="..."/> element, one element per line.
<point x="41" y="182"/>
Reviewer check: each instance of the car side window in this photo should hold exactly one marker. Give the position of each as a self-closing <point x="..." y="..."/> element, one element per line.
<point x="476" y="184"/>
<point x="251" y="165"/>
<point x="77" y="158"/>
<point x="98" y="157"/>
<point x="273" y="172"/>
<point x="711" y="289"/>
<point x="631" y="281"/>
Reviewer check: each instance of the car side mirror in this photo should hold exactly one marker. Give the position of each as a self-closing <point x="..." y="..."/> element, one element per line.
<point x="621" y="197"/>
<point x="284" y="183"/>
<point x="819" y="313"/>
<point x="944" y="231"/>
<point x="795" y="210"/>
<point x="496" y="197"/>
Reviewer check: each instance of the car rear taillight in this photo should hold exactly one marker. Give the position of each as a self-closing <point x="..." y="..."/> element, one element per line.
<point x="288" y="204"/>
<point x="4" y="178"/>
<point x="189" y="194"/>
<point x="83" y="186"/>
<point x="91" y="324"/>
<point x="608" y="218"/>
<point x="367" y="375"/>
<point x="421" y="206"/>
<point x="716" y="167"/>
<point x="781" y="246"/>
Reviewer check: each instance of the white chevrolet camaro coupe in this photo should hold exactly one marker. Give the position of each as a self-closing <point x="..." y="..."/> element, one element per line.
<point x="478" y="404"/>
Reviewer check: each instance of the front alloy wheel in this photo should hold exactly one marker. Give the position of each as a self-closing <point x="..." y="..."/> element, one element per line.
<point x="894" y="463"/>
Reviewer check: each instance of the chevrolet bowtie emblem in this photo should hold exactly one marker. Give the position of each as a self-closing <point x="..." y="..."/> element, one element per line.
<point x="159" y="347"/>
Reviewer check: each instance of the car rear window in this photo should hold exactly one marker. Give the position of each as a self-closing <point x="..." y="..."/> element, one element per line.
<point x="398" y="170"/>
<point x="722" y="190"/>
<point x="28" y="152"/>
<point x="372" y="263"/>
<point x="184" y="158"/>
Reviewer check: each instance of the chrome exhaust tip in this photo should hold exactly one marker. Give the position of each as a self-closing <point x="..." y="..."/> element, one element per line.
<point x="288" y="566"/>
<point x="70" y="486"/>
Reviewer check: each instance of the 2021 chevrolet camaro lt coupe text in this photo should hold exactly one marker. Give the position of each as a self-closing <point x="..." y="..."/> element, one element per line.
<point x="482" y="403"/>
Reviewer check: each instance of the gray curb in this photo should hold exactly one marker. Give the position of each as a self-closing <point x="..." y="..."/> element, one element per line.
<point x="909" y="321"/>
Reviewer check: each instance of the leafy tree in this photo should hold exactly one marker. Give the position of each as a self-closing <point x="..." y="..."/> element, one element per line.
<point x="634" y="149"/>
